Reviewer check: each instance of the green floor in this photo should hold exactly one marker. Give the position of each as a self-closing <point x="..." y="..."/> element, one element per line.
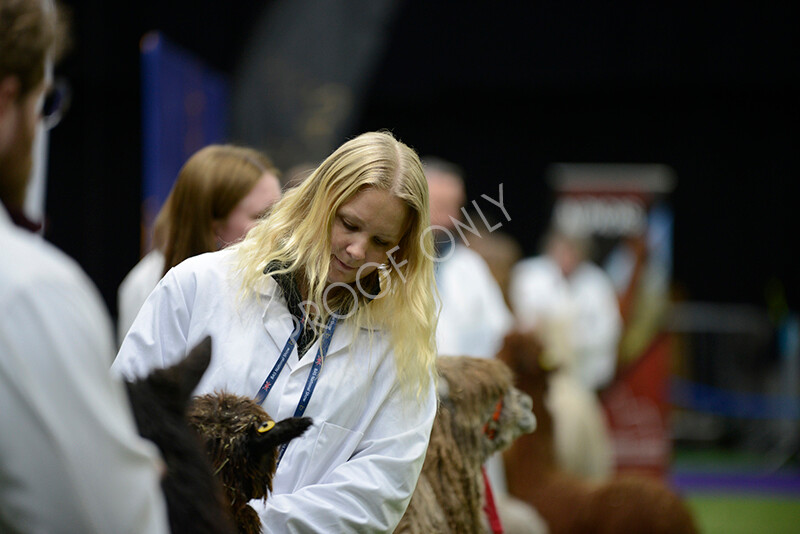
<point x="745" y="514"/>
<point x="737" y="512"/>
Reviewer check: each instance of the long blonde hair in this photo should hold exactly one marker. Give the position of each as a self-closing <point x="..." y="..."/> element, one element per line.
<point x="208" y="187"/>
<point x="297" y="237"/>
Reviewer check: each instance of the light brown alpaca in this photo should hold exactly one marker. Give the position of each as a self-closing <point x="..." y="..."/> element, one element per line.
<point x="624" y="505"/>
<point x="449" y="496"/>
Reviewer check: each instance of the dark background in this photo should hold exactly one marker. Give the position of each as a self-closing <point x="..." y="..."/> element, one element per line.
<point x="503" y="90"/>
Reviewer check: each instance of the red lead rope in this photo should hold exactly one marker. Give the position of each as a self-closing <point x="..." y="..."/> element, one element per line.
<point x="490" y="509"/>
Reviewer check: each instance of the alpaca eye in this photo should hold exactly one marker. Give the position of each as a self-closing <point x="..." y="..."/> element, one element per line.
<point x="266" y="427"/>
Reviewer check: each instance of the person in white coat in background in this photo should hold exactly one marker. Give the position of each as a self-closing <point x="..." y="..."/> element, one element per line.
<point x="562" y="290"/>
<point x="325" y="309"/>
<point x="572" y="305"/>
<point x="474" y="317"/>
<point x="220" y="193"/>
<point x="71" y="459"/>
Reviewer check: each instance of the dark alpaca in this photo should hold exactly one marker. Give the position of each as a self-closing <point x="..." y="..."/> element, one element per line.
<point x="195" y="499"/>
<point x="220" y="450"/>
<point x="470" y="426"/>
<point x="242" y="441"/>
<point x="624" y="505"/>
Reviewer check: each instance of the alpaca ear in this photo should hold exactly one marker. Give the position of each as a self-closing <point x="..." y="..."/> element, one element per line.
<point x="283" y="432"/>
<point x="192" y="368"/>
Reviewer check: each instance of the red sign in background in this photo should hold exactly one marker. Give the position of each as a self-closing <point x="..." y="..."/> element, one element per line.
<point x="637" y="408"/>
<point x="614" y="202"/>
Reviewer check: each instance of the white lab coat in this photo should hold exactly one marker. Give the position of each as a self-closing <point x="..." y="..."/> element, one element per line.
<point x="70" y="457"/>
<point x="354" y="470"/>
<point x="584" y="307"/>
<point x="135" y="288"/>
<point x="474" y="317"/>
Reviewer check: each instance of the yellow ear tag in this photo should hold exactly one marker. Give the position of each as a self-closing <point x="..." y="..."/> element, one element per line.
<point x="266" y="427"/>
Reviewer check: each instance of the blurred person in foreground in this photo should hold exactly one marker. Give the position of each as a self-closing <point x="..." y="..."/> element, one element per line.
<point x="70" y="457"/>
<point x="220" y="193"/>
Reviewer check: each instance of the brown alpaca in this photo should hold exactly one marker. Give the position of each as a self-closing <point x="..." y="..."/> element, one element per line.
<point x="625" y="505"/>
<point x="242" y="441"/>
<point x="469" y="427"/>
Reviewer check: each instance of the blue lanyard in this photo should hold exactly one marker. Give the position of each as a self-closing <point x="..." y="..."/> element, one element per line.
<point x="313" y="375"/>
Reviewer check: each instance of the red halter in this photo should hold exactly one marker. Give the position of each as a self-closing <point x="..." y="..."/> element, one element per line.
<point x="490" y="428"/>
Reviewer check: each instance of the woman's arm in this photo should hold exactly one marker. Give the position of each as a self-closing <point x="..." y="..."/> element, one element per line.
<point x="370" y="491"/>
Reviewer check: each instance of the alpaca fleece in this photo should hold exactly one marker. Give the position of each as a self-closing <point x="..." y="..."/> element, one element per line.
<point x="569" y="505"/>
<point x="242" y="441"/>
<point x="449" y="496"/>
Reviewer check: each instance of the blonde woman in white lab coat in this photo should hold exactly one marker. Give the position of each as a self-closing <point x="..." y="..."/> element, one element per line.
<point x="342" y="266"/>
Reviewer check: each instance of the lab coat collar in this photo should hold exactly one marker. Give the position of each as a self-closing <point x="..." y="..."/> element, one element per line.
<point x="276" y="319"/>
<point x="269" y="288"/>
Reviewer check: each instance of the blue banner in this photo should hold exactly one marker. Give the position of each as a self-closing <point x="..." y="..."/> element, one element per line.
<point x="185" y="106"/>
